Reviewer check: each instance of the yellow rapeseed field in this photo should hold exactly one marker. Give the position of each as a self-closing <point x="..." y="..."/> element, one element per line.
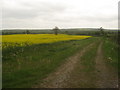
<point x="29" y="39"/>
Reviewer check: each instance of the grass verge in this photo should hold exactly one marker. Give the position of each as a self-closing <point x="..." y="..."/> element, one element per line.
<point x="89" y="66"/>
<point x="84" y="71"/>
<point x="110" y="49"/>
<point x="25" y="66"/>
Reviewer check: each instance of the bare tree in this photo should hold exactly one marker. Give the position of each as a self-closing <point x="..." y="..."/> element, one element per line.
<point x="56" y="29"/>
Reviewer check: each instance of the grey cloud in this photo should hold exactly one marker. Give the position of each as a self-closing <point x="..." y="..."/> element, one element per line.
<point x="104" y="18"/>
<point x="47" y="13"/>
<point x="85" y="18"/>
<point x="21" y="14"/>
<point x="42" y="9"/>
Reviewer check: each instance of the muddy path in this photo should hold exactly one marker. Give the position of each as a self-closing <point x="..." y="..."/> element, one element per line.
<point x="59" y="78"/>
<point x="83" y="76"/>
<point x="71" y="74"/>
<point x="102" y="76"/>
<point x="106" y="76"/>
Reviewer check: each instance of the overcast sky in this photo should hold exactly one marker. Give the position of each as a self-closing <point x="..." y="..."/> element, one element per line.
<point x="61" y="13"/>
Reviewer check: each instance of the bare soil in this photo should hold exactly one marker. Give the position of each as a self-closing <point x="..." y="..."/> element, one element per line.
<point x="70" y="74"/>
<point x="59" y="78"/>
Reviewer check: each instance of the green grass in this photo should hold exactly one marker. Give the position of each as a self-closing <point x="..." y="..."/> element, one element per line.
<point x="88" y="62"/>
<point x="110" y="49"/>
<point x="25" y="66"/>
<point x="88" y="59"/>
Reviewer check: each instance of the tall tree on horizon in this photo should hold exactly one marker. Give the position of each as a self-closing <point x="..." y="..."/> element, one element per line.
<point x="56" y="29"/>
<point x="27" y="32"/>
<point x="101" y="31"/>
